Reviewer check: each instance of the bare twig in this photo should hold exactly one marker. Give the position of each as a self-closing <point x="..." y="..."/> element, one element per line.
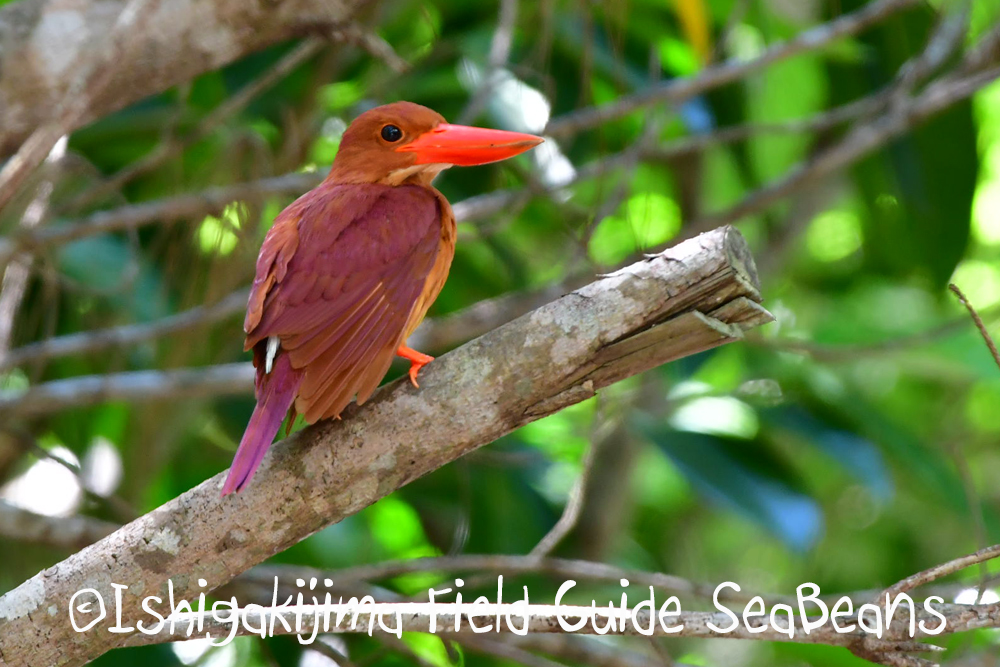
<point x="819" y="122"/>
<point x="975" y="511"/>
<point x="680" y="90"/>
<point x="89" y="342"/>
<point x="231" y="106"/>
<point x="213" y="200"/>
<point x="585" y="651"/>
<point x="16" y="273"/>
<point x="939" y="571"/>
<point x="834" y="353"/>
<point x="135" y="216"/>
<point x="978" y="322"/>
<point x="859" y="142"/>
<point x="972" y="498"/>
<point x="370" y="42"/>
<point x="571" y="513"/>
<point x="543" y="619"/>
<point x="73" y="532"/>
<point x="113" y="503"/>
<point x="506" y="651"/>
<point x="855" y="145"/>
<point x="562" y="568"/>
<point x="943" y="42"/>
<point x="503" y="38"/>
<point x="225" y="379"/>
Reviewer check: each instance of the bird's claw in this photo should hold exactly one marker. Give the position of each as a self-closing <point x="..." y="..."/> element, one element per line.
<point x="417" y="361"/>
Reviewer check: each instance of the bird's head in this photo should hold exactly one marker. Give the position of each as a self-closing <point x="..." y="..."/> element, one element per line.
<point x="405" y="142"/>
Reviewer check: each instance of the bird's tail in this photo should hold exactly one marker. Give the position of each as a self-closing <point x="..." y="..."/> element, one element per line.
<point x="275" y="393"/>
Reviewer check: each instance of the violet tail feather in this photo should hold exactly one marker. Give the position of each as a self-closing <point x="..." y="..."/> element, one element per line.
<point x="275" y="394"/>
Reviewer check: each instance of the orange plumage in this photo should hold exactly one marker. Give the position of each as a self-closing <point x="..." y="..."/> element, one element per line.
<point x="349" y="270"/>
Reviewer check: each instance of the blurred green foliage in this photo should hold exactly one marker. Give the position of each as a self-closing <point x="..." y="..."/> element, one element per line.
<point x="834" y="448"/>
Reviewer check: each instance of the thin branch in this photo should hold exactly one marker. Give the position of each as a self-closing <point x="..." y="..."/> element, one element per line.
<point x="90" y="342"/>
<point x="978" y="322"/>
<point x="72" y="532"/>
<point x="976" y="512"/>
<point x="836" y="353"/>
<point x="231" y="106"/>
<point x="370" y="42"/>
<point x="571" y="513"/>
<point x="858" y="143"/>
<point x="585" y="651"/>
<point x="113" y="504"/>
<point x="562" y="568"/>
<point x="503" y="38"/>
<point x="185" y="383"/>
<point x="820" y="122"/>
<point x="506" y="651"/>
<point x="968" y="483"/>
<point x="938" y="571"/>
<point x="213" y="200"/>
<point x="16" y="273"/>
<point x="195" y="205"/>
<point x="680" y="90"/>
<point x="545" y="619"/>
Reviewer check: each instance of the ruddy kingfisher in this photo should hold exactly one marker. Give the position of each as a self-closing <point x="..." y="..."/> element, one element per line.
<point x="348" y="270"/>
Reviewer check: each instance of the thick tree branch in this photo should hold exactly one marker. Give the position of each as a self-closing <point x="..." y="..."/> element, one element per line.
<point x="45" y="43"/>
<point x="695" y="296"/>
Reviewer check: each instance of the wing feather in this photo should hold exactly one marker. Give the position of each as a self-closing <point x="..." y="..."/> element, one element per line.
<point x="338" y="277"/>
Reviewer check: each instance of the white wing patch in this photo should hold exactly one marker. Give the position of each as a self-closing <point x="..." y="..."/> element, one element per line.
<point x="272" y="352"/>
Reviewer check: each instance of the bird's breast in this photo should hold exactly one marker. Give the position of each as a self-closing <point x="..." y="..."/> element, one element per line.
<point x="439" y="272"/>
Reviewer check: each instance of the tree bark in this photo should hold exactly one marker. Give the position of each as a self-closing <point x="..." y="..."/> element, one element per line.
<point x="695" y="296"/>
<point x="44" y="44"/>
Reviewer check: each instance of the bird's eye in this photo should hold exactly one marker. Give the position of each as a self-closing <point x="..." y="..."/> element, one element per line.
<point x="392" y="133"/>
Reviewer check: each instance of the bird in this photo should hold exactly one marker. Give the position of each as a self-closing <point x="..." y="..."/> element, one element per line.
<point x="349" y="269"/>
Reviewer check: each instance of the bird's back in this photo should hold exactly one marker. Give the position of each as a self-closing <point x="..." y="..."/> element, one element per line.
<point x="341" y="276"/>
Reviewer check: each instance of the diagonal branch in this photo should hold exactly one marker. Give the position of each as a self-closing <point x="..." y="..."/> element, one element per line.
<point x="91" y="342"/>
<point x="859" y="142"/>
<point x="978" y="321"/>
<point x="680" y="90"/>
<point x="695" y="296"/>
<point x="43" y="42"/>
<point x="73" y="532"/>
<point x="180" y="383"/>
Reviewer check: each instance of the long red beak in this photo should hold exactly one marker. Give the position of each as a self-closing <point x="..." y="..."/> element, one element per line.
<point x="467" y="146"/>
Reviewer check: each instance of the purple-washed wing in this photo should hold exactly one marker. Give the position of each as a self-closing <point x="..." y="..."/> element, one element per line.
<point x="339" y="304"/>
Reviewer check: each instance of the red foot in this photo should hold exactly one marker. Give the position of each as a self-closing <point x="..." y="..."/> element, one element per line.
<point x="417" y="361"/>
